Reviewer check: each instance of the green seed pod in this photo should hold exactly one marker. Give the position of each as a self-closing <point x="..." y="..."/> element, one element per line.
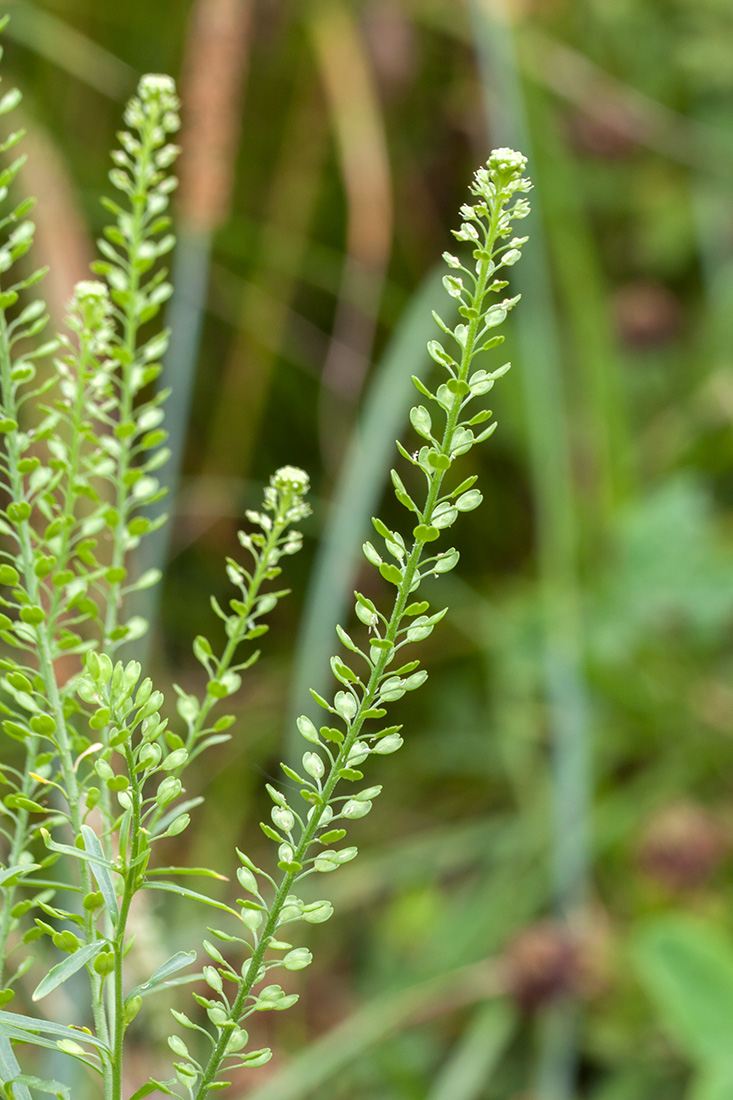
<point x="104" y="963"/>
<point x="66" y="941"/>
<point x="131" y="1008"/>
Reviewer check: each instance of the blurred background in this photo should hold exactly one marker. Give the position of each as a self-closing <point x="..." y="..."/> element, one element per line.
<point x="543" y="904"/>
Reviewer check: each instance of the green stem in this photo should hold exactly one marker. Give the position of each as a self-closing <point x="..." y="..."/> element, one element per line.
<point x="45" y="663"/>
<point x="129" y="344"/>
<point x="371" y="692"/>
<point x="20" y="840"/>
<point x="264" y="563"/>
<point x="119" y="945"/>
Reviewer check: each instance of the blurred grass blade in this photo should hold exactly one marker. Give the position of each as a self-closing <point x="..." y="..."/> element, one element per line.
<point x="359" y="130"/>
<point x="264" y="309"/>
<point x="217" y="51"/>
<point x="583" y="301"/>
<point x="549" y="456"/>
<point x="550" y="469"/>
<point x="52" y="38"/>
<point x="476" y="1054"/>
<point x="711" y="206"/>
<point x="549" y="460"/>
<point x="62" y="238"/>
<point x="577" y="79"/>
<point x="214" y="69"/>
<point x="357" y="494"/>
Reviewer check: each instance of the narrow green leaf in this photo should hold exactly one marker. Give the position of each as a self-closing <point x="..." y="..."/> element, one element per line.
<point x="68" y="966"/>
<point x="476" y="1053"/>
<point x="53" y="1088"/>
<point x="161" y="1086"/>
<point x="101" y="872"/>
<point x="67" y="1044"/>
<point x="175" y="963"/>
<point x="18" y="869"/>
<point x="9" y="1068"/>
<point x="65" y="1031"/>
<point x="202" y="872"/>
<point x="172" y="888"/>
<point x="146" y="1091"/>
<point x="77" y="853"/>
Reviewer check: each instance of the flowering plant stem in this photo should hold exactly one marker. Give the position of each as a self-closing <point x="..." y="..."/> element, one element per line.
<point x="493" y="229"/>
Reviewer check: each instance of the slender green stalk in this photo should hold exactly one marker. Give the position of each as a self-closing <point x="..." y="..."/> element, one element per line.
<point x="262" y="570"/>
<point x="97" y="431"/>
<point x="131" y="876"/>
<point x="358" y="491"/>
<point x="45" y="647"/>
<point x="22" y="821"/>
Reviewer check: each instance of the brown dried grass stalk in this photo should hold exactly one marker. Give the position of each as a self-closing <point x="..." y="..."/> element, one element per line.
<point x="215" y="64"/>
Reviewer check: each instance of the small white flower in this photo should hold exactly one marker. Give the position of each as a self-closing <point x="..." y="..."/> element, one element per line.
<point x="507" y="160"/>
<point x="156" y="86"/>
<point x="290" y="479"/>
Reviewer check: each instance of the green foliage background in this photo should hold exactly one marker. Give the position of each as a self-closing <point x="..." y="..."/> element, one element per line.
<point x="579" y="714"/>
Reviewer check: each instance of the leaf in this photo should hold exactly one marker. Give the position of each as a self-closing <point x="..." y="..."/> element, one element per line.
<point x="68" y="966"/>
<point x="78" y="853"/>
<point x="147" y="580"/>
<point x="171" y="888"/>
<point x="29" y="1026"/>
<point x="177" y="810"/>
<point x="101" y="872"/>
<point x="9" y="1068"/>
<point x="204" y="872"/>
<point x="68" y="1045"/>
<point x="17" y="869"/>
<point x="686" y="967"/>
<point x="161" y="1086"/>
<point x="153" y="1086"/>
<point x="445" y="562"/>
<point x="175" y="963"/>
<point x="55" y="1088"/>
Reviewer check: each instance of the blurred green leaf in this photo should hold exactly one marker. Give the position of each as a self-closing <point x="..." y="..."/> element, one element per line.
<point x="472" y="1062"/>
<point x="715" y="1083"/>
<point x="686" y="967"/>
